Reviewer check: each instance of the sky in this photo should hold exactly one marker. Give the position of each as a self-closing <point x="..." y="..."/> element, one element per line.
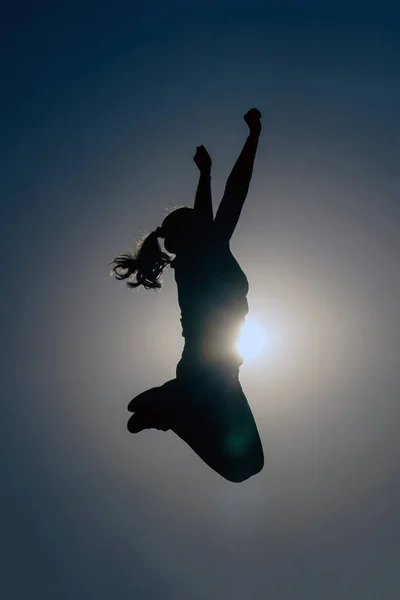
<point x="102" y="108"/>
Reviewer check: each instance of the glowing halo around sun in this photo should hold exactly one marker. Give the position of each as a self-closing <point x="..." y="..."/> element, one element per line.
<point x="252" y="339"/>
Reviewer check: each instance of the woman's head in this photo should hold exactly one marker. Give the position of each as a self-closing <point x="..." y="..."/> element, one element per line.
<point x="178" y="228"/>
<point x="149" y="262"/>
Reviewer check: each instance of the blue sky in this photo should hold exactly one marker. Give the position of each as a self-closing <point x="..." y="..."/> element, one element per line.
<point x="102" y="108"/>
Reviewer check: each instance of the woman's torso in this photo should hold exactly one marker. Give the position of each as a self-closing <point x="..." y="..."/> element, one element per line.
<point x="212" y="290"/>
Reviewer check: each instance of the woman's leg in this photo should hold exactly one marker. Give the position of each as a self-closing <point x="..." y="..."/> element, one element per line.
<point x="238" y="449"/>
<point x="215" y="421"/>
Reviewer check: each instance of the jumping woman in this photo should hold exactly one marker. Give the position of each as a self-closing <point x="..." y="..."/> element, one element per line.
<point x="205" y="404"/>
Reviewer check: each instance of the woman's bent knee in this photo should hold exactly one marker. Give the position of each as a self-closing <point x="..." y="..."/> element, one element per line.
<point x="242" y="460"/>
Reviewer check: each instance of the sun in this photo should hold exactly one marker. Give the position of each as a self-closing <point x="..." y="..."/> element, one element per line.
<point x="252" y="339"/>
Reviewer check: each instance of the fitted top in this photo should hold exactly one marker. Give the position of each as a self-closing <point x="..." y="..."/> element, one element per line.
<point x="212" y="290"/>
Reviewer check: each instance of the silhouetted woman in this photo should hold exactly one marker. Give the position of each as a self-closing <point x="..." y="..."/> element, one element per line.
<point x="205" y="404"/>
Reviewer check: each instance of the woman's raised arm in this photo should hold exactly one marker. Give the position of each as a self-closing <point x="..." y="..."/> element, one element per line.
<point x="203" y="200"/>
<point x="238" y="183"/>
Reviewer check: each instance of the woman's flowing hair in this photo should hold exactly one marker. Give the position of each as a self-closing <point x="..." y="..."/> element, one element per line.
<point x="145" y="267"/>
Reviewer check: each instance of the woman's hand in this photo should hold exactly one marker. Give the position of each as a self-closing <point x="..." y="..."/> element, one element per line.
<point x="202" y="159"/>
<point x="253" y="120"/>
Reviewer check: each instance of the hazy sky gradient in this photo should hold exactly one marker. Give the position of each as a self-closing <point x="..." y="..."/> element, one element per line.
<point x="102" y="109"/>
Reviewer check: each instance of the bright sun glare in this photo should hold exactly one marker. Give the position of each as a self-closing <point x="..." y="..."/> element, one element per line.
<point x="252" y="339"/>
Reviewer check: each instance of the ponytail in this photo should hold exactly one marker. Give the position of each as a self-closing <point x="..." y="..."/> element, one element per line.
<point x="147" y="264"/>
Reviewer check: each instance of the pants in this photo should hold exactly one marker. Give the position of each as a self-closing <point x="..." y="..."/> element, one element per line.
<point x="209" y="411"/>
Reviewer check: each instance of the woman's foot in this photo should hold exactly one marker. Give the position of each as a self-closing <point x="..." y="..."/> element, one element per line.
<point x="153" y="409"/>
